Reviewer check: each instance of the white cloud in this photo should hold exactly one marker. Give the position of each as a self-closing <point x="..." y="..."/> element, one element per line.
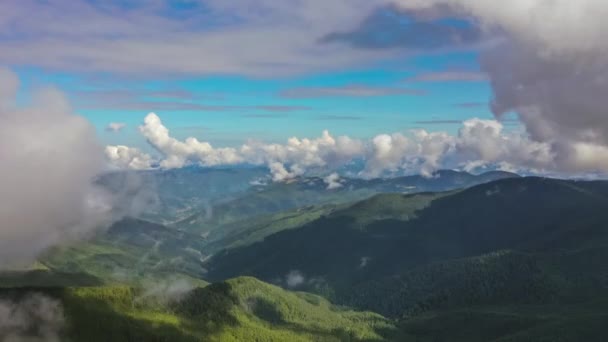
<point x="286" y="161"/>
<point x="559" y="26"/>
<point x="125" y="157"/>
<point x="280" y="173"/>
<point x="115" y="126"/>
<point x="333" y="181"/>
<point x="479" y="144"/>
<point x="303" y="155"/>
<point x="550" y="67"/>
<point x="50" y="160"/>
<point x="179" y="153"/>
<point x="422" y="152"/>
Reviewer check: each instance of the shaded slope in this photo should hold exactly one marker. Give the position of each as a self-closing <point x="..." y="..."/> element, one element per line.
<point x="427" y="240"/>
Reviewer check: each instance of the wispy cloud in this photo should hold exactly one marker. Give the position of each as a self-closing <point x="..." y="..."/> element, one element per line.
<point x="450" y="76"/>
<point x="339" y="117"/>
<point x="193" y="128"/>
<point x="115" y="127"/>
<point x="471" y="104"/>
<point x="169" y="99"/>
<point x="247" y="37"/>
<point x="349" y="91"/>
<point x="282" y="108"/>
<point x="160" y="106"/>
<point x="265" y="115"/>
<point x="438" y="122"/>
<point x="391" y="27"/>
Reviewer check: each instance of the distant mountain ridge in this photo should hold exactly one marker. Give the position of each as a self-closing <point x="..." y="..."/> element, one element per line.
<point x="306" y="191"/>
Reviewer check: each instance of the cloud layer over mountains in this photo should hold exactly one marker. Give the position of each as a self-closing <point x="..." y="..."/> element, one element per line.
<point x="479" y="143"/>
<point x="546" y="60"/>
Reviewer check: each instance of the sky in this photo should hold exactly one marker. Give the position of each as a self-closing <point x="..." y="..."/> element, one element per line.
<point x="426" y="80"/>
<point x="229" y="109"/>
<point x="413" y="86"/>
<point x="340" y="88"/>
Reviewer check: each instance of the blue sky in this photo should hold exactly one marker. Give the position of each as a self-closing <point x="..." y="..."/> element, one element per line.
<point x="400" y="86"/>
<point x="236" y="108"/>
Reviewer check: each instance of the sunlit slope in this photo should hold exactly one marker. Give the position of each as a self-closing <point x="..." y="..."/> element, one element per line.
<point x="132" y="249"/>
<point x="242" y="309"/>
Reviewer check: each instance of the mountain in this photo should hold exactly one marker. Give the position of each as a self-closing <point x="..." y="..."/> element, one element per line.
<point x="514" y="259"/>
<point x="242" y="309"/>
<point x="517" y="240"/>
<point x="273" y="198"/>
<point x="130" y="250"/>
<point x="135" y="248"/>
<point x="171" y="195"/>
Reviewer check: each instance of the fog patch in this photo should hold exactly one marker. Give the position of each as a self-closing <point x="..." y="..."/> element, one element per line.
<point x="294" y="279"/>
<point x="364" y="261"/>
<point x="35" y="318"/>
<point x="492" y="192"/>
<point x="51" y="166"/>
<point x="165" y="291"/>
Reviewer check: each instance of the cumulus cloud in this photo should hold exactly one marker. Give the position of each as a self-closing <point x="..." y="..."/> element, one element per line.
<point x="50" y="161"/>
<point x="477" y="144"/>
<point x="285" y="161"/>
<point x="115" y="126"/>
<point x="422" y="151"/>
<point x="333" y="181"/>
<point x="303" y="155"/>
<point x="551" y="68"/>
<point x="125" y="157"/>
<point x="557" y="26"/>
<point x="35" y="318"/>
<point x="178" y="153"/>
<point x="280" y="173"/>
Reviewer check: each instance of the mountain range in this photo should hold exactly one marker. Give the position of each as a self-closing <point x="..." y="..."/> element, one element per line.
<point x="455" y="257"/>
